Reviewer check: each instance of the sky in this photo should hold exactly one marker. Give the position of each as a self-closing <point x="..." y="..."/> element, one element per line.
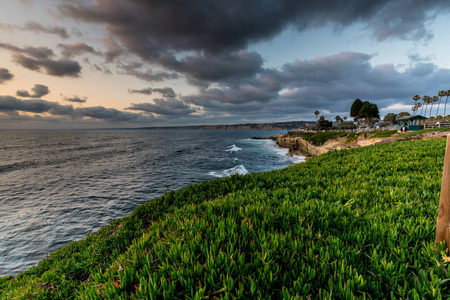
<point x="151" y="63"/>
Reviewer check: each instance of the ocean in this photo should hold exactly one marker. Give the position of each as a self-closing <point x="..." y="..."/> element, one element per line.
<point x="57" y="186"/>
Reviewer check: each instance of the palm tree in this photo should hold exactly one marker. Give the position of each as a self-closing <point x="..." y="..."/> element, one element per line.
<point x="426" y="99"/>
<point x="345" y="118"/>
<point x="422" y="104"/>
<point x="440" y="94"/>
<point x="419" y="105"/>
<point x="432" y="100"/>
<point x="447" y="93"/>
<point x="317" y="113"/>
<point x="338" y="119"/>
<point x="415" y="98"/>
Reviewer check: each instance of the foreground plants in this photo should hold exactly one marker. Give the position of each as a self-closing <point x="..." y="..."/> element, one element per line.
<point x="356" y="223"/>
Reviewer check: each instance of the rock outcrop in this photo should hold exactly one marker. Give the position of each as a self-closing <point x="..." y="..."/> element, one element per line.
<point x="298" y="146"/>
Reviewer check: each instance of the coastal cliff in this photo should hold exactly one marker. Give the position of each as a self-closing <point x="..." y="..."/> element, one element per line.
<point x="299" y="146"/>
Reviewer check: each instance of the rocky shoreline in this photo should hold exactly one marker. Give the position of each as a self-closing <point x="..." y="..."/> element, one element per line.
<point x="301" y="147"/>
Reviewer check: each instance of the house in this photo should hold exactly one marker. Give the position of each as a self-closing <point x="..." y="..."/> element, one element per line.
<point x="416" y="122"/>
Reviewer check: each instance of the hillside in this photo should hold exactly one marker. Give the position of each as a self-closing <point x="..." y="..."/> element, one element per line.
<point x="314" y="144"/>
<point x="357" y="223"/>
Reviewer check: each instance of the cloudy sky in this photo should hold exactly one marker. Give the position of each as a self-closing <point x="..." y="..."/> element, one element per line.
<point x="134" y="63"/>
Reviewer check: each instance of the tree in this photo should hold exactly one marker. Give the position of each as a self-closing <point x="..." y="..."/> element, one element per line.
<point x="347" y="125"/>
<point x="416" y="107"/>
<point x="356" y="108"/>
<point x="369" y="111"/>
<point x="432" y="100"/>
<point x="447" y="93"/>
<point x="345" y="118"/>
<point x="338" y="119"/>
<point x="323" y="124"/>
<point x="422" y="105"/>
<point x="440" y="94"/>
<point x="317" y="113"/>
<point x="403" y="114"/>
<point x="416" y="98"/>
<point x="426" y="99"/>
<point x="390" y="118"/>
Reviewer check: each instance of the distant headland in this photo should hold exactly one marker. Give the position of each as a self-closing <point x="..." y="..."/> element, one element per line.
<point x="248" y="126"/>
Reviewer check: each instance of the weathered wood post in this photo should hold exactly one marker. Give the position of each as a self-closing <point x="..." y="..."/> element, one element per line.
<point x="443" y="221"/>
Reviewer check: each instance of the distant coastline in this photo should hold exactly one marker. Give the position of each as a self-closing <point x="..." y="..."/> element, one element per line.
<point x="247" y="126"/>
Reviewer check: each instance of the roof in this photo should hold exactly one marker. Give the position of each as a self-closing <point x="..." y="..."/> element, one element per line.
<point x="411" y="118"/>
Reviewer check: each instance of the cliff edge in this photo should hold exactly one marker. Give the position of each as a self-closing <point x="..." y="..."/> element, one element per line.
<point x="302" y="147"/>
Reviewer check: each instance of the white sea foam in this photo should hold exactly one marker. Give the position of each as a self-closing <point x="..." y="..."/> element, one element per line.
<point x="282" y="152"/>
<point x="239" y="169"/>
<point x="233" y="148"/>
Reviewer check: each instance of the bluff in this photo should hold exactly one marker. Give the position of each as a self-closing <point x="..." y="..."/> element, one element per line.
<point x="302" y="147"/>
<point x="298" y="146"/>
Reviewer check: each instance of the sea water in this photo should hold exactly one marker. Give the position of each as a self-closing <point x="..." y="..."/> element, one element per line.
<point x="57" y="186"/>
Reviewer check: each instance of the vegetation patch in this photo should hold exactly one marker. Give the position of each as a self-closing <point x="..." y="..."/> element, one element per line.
<point x="318" y="138"/>
<point x="352" y="136"/>
<point x="356" y="223"/>
<point x="383" y="133"/>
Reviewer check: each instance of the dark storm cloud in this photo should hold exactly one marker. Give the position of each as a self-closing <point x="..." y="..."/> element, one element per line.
<point x="415" y="57"/>
<point x="76" y="49"/>
<point x="52" y="67"/>
<point x="38" y="53"/>
<point x="406" y="19"/>
<point x="76" y="99"/>
<point x="113" y="49"/>
<point x="36" y="59"/>
<point x="325" y="69"/>
<point x="156" y="30"/>
<point x="39" y="90"/>
<point x="230" y="67"/>
<point x="169" y="107"/>
<point x="62" y="110"/>
<point x="12" y="105"/>
<point x="101" y="68"/>
<point x="148" y="75"/>
<point x="165" y="92"/>
<point x="147" y="91"/>
<point x="110" y="114"/>
<point x="327" y="83"/>
<point x="147" y="27"/>
<point x="9" y="103"/>
<point x="5" y="75"/>
<point x="36" y="27"/>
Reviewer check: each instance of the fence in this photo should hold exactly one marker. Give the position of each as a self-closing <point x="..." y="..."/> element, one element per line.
<point x="437" y="125"/>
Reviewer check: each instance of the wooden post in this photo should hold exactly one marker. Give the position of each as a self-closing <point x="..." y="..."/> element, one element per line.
<point x="443" y="222"/>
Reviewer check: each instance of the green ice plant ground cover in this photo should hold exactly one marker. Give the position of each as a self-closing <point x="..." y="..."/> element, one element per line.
<point x="356" y="223"/>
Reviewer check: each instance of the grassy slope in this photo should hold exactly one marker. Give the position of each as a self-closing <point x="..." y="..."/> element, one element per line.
<point x="320" y="138"/>
<point x="350" y="223"/>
